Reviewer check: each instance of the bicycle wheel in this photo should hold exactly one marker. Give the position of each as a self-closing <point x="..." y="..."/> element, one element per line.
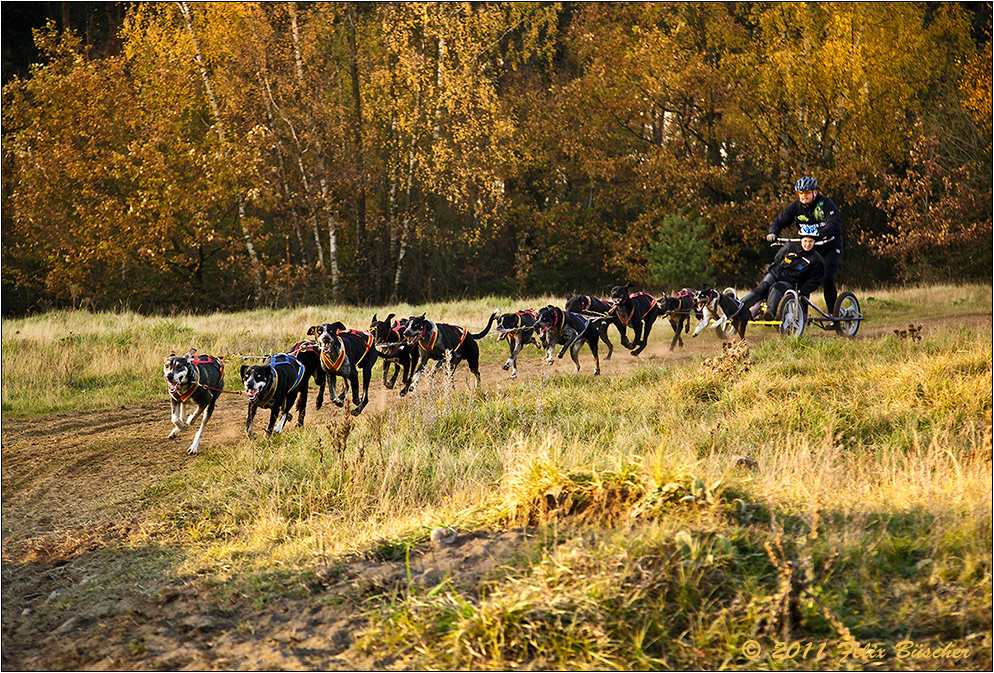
<point x="790" y="313"/>
<point x="847" y="314"/>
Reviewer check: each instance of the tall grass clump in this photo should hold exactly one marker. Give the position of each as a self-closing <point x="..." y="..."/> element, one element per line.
<point x="807" y="495"/>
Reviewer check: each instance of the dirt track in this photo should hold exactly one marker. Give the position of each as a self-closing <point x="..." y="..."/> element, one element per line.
<point x="67" y="482"/>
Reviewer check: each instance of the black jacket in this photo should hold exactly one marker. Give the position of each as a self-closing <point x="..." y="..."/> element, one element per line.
<point x="803" y="270"/>
<point x="822" y="212"/>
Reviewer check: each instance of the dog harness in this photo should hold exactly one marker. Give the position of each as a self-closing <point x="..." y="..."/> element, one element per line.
<point x="195" y="383"/>
<point x="510" y="331"/>
<point x="624" y="320"/>
<point x="395" y="331"/>
<point x="280" y="359"/>
<point x="434" y="336"/>
<point x="335" y="364"/>
<point x="306" y="346"/>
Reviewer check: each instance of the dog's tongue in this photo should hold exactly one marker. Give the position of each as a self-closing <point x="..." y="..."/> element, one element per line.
<point x="172" y="386"/>
<point x="252" y="393"/>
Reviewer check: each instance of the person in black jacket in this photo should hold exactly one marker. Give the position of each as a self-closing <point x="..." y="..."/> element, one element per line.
<point x="813" y="207"/>
<point x="797" y="266"/>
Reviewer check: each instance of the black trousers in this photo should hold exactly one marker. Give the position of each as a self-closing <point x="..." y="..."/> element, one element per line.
<point x="831" y="257"/>
<point x="770" y="289"/>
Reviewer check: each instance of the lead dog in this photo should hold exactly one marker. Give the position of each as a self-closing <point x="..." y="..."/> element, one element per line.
<point x="640" y="309"/>
<point x="436" y="341"/>
<point x="519" y="329"/>
<point x="195" y="380"/>
<point x="345" y="353"/>
<point x="719" y="307"/>
<point x="392" y="349"/>
<point x="572" y="330"/>
<point x="272" y="385"/>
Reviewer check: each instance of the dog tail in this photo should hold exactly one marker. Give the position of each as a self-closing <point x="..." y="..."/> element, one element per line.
<point x="486" y="330"/>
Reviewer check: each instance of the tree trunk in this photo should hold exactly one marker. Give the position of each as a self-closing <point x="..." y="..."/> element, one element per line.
<point x="319" y="164"/>
<point x="249" y="246"/>
<point x="362" y="261"/>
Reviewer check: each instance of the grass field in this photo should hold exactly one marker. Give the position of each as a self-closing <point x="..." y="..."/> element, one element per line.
<point x="813" y="503"/>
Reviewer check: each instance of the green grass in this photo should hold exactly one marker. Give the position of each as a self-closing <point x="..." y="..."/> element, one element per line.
<point x="867" y="516"/>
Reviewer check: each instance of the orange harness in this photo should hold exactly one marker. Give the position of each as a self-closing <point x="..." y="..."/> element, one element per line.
<point x="333" y="365"/>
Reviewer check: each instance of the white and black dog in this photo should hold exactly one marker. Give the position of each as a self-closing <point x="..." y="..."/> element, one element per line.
<point x="519" y="329"/>
<point x="193" y="380"/>
<point x="272" y="385"/>
<point x="435" y="340"/>
<point x="572" y="330"/>
<point x="719" y="308"/>
<point x="345" y="353"/>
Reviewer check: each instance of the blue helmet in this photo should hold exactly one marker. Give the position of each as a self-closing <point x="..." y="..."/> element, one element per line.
<point x="806" y="184"/>
<point x="809" y="231"/>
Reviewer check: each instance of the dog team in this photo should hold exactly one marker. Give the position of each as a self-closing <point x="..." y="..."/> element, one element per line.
<point x="333" y="351"/>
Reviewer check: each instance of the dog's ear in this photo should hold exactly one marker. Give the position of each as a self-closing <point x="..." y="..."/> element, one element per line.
<point x="422" y="316"/>
<point x="388" y="319"/>
<point x="244" y="367"/>
<point x="313" y="329"/>
<point x="374" y="321"/>
<point x="190" y="353"/>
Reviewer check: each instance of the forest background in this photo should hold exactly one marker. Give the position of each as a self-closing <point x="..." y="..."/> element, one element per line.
<point x="202" y="156"/>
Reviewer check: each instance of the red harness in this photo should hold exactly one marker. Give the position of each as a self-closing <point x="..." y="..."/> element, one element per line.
<point x="198" y="360"/>
<point x="434" y="336"/>
<point x="395" y="337"/>
<point x="307" y="346"/>
<point x="624" y="320"/>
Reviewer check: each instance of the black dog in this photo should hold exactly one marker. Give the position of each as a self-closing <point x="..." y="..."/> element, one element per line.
<point x="308" y="354"/>
<point x="435" y="340"/>
<point x="193" y="380"/>
<point x="592" y="307"/>
<point x="272" y="385"/>
<point x="720" y="307"/>
<point x="572" y="330"/>
<point x="637" y="310"/>
<point x="344" y="353"/>
<point x="392" y="349"/>
<point x="678" y="309"/>
<point x="519" y="329"/>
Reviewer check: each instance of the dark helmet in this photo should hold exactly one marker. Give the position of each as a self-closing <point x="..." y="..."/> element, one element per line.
<point x="809" y="231"/>
<point x="806" y="184"/>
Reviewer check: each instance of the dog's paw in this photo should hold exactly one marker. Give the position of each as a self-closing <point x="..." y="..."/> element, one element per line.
<point x="514" y="375"/>
<point x="338" y="402"/>
<point x="356" y="412"/>
<point x="192" y="451"/>
<point x="507" y="365"/>
<point x="172" y="435"/>
<point x="388" y="385"/>
<point x="250" y="433"/>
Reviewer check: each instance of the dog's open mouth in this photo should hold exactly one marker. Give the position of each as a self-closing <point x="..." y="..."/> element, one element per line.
<point x="173" y="386"/>
<point x="251" y="393"/>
